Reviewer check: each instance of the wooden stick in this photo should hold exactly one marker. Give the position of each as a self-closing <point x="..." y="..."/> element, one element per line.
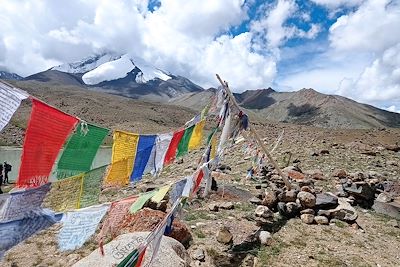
<point x="255" y="134"/>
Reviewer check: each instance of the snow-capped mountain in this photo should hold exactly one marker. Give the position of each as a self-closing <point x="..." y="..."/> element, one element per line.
<point x="114" y="73"/>
<point x="9" y="76"/>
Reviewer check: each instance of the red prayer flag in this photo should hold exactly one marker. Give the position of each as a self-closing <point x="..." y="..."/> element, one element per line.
<point x="171" y="152"/>
<point x="199" y="178"/>
<point x="47" y="131"/>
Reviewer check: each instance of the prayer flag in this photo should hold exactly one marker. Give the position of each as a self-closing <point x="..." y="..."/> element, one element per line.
<point x="160" y="194"/>
<point x="65" y="194"/>
<point x="197" y="135"/>
<point x="10" y="100"/>
<point x="176" y="191"/>
<point x="14" y="232"/>
<point x="111" y="225"/>
<point x="162" y="143"/>
<point x="23" y="203"/>
<point x="171" y="152"/>
<point x="139" y="203"/>
<point x="48" y="128"/>
<point x="79" y="226"/>
<point x="80" y="150"/>
<point x="123" y="157"/>
<point x="144" y="148"/>
<point x="134" y="259"/>
<point x="184" y="143"/>
<point x="91" y="187"/>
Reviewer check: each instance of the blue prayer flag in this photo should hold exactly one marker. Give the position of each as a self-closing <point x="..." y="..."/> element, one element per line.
<point x="143" y="152"/>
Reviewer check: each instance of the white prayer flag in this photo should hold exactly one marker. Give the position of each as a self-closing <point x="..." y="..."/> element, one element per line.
<point x="10" y="99"/>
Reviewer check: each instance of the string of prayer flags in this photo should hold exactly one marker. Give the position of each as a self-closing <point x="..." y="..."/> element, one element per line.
<point x="184" y="143"/>
<point x="197" y="135"/>
<point x="122" y="159"/>
<point x="14" y="232"/>
<point x="173" y="146"/>
<point x="47" y="131"/>
<point x="225" y="134"/>
<point x="139" y="203"/>
<point x="78" y="226"/>
<point x="80" y="150"/>
<point x="65" y="194"/>
<point x="143" y="153"/>
<point x="22" y="203"/>
<point x="91" y="187"/>
<point x="116" y="214"/>
<point x="162" y="144"/>
<point x="10" y="100"/>
<point x="188" y="187"/>
<point x="198" y="178"/>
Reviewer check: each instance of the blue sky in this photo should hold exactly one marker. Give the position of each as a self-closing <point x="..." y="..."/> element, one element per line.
<point x="345" y="47"/>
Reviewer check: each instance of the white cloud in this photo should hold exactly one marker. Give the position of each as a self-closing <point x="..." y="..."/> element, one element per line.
<point x="332" y="4"/>
<point x="393" y="108"/>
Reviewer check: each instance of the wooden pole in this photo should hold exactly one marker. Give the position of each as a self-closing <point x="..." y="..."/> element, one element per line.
<point x="255" y="134"/>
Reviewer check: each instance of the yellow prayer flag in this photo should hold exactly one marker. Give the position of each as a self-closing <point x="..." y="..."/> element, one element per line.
<point x="160" y="194"/>
<point x="213" y="146"/>
<point x="65" y="194"/>
<point x="116" y="175"/>
<point x="197" y="135"/>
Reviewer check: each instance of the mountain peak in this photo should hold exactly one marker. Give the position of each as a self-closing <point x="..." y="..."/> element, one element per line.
<point x="9" y="75"/>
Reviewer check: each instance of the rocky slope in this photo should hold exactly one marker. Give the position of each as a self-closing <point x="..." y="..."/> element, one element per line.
<point x="307" y="107"/>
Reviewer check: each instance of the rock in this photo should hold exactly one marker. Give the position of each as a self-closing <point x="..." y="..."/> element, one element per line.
<point x="361" y="190"/>
<point x="344" y="211"/>
<point x="213" y="207"/>
<point x="199" y="255"/>
<point x="295" y="175"/>
<point x="321" y="220"/>
<point x="393" y="223"/>
<point x="384" y="197"/>
<point x="147" y="219"/>
<point x="224" y="236"/>
<point x="324" y="152"/>
<point x="226" y="205"/>
<point x="288" y="196"/>
<point x="391" y="209"/>
<point x="315" y="174"/>
<point x="255" y="200"/>
<point x="308" y="211"/>
<point x="307" y="218"/>
<point x="292" y="209"/>
<point x="171" y="252"/>
<point x="281" y="208"/>
<point x="326" y="200"/>
<point x="339" y="173"/>
<point x="307" y="189"/>
<point x="326" y="213"/>
<point x="307" y="200"/>
<point x="270" y="199"/>
<point x="264" y="212"/>
<point x="265" y="238"/>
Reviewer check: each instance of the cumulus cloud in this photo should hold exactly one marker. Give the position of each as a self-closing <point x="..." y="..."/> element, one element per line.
<point x="188" y="38"/>
<point x="332" y="4"/>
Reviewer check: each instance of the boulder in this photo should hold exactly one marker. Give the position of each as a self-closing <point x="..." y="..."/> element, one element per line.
<point x="362" y="192"/>
<point x="307" y="218"/>
<point x="295" y="175"/>
<point x="265" y="238"/>
<point x="326" y="200"/>
<point x="147" y="219"/>
<point x="263" y="211"/>
<point x="384" y="197"/>
<point x="308" y="189"/>
<point x="344" y="211"/>
<point x="226" y="205"/>
<point x="315" y="174"/>
<point x="281" y="208"/>
<point x="307" y="200"/>
<point x="170" y="253"/>
<point x="321" y="220"/>
<point x="391" y="209"/>
<point x="340" y="173"/>
<point x="255" y="200"/>
<point x="288" y="196"/>
<point x="308" y="211"/>
<point x="224" y="236"/>
<point x="270" y="199"/>
<point x="199" y="255"/>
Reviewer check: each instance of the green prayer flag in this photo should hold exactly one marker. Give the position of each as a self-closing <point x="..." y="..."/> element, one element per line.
<point x="184" y="143"/>
<point x="91" y="189"/>
<point x="80" y="150"/>
<point x="211" y="135"/>
<point x="130" y="260"/>
<point x="139" y="203"/>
